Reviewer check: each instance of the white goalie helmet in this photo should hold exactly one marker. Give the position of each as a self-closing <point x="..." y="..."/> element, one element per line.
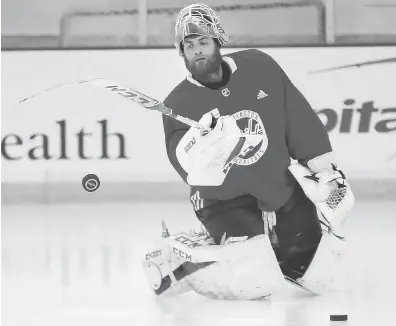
<point x="198" y="19"/>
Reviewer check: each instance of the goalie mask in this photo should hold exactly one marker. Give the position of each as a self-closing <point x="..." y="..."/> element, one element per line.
<point x="198" y="19"/>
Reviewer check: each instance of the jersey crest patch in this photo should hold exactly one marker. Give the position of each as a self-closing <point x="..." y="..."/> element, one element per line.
<point x="251" y="124"/>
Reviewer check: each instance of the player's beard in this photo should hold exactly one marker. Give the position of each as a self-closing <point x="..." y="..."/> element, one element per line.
<point x="202" y="69"/>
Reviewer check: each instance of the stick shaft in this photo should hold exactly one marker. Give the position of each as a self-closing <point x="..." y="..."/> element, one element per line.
<point x="130" y="94"/>
<point x="145" y="101"/>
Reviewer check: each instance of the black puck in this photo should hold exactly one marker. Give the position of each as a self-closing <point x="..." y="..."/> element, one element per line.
<point x="338" y="317"/>
<point x="91" y="182"/>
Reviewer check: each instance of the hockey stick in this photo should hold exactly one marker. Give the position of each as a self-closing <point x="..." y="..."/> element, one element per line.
<point x="130" y="94"/>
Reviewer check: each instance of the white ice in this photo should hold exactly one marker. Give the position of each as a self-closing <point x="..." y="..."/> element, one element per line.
<point x="81" y="265"/>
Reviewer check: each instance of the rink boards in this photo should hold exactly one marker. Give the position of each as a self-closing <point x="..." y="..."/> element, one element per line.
<point x="51" y="141"/>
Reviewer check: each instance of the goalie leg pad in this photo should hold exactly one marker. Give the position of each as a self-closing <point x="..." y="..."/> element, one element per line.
<point x="153" y="274"/>
<point x="252" y="272"/>
<point x="238" y="268"/>
<point x="320" y="275"/>
<point x="160" y="267"/>
<point x="166" y="266"/>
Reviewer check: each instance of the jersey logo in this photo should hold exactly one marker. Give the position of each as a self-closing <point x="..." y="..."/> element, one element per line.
<point x="226" y="92"/>
<point x="251" y="124"/>
<point x="261" y="94"/>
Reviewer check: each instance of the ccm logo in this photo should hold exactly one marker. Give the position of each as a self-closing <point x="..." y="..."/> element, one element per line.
<point x="190" y="144"/>
<point x="182" y="254"/>
<point x="153" y="254"/>
<point x="187" y="242"/>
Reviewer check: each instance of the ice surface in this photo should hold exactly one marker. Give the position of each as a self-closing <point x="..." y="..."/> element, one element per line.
<point x="80" y="265"/>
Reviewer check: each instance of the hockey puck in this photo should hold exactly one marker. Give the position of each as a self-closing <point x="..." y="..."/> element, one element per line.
<point x="338" y="317"/>
<point x="91" y="182"/>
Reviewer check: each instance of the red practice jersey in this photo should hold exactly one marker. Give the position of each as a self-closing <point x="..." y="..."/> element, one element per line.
<point x="262" y="99"/>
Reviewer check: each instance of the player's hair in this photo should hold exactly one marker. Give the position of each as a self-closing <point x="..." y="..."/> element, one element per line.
<point x="198" y="19"/>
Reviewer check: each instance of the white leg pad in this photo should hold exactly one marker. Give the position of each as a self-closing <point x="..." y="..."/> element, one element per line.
<point x="251" y="275"/>
<point x="160" y="263"/>
<point x="239" y="269"/>
<point x="320" y="275"/>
